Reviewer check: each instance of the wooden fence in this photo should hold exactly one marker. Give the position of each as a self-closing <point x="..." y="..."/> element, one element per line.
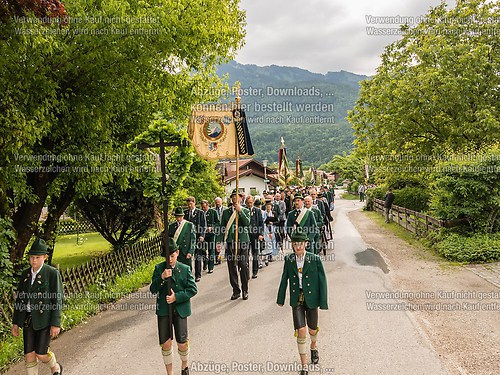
<point x="73" y="227"/>
<point x="79" y="278"/>
<point x="414" y="221"/>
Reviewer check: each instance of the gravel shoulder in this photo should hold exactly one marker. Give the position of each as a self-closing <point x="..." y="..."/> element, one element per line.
<point x="456" y="308"/>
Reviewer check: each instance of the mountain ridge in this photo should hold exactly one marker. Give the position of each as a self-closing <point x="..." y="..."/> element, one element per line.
<point x="308" y="109"/>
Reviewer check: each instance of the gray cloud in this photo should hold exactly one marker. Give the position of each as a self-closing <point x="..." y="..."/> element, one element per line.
<point x="321" y="35"/>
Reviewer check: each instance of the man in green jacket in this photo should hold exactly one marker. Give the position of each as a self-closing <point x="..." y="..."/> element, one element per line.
<point x="305" y="275"/>
<point x="184" y="235"/>
<point x="303" y="218"/>
<point x="236" y="260"/>
<point x="38" y="310"/>
<point x="183" y="288"/>
<point x="308" y="203"/>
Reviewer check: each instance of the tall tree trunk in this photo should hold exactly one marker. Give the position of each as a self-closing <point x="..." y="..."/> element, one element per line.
<point x="25" y="218"/>
<point x="56" y="209"/>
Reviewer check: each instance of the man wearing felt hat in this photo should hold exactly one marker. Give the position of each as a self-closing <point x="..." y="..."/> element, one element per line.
<point x="304" y="274"/>
<point x="184" y="235"/>
<point x="38" y="309"/>
<point x="183" y="288"/>
<point x="236" y="261"/>
<point x="301" y="217"/>
<point x="197" y="217"/>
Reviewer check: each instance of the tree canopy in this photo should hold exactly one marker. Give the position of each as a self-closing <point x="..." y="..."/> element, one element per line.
<point x="435" y="93"/>
<point x="75" y="91"/>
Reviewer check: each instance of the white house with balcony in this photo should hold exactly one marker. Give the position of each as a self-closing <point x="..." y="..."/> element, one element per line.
<point x="254" y="176"/>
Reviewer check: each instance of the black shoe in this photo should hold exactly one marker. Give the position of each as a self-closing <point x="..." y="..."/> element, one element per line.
<point x="60" y="370"/>
<point x="211" y="271"/>
<point x="197" y="279"/>
<point x="185" y="371"/>
<point x="245" y="295"/>
<point x="235" y="296"/>
<point x="314" y="356"/>
<point x="303" y="372"/>
<point x="254" y="276"/>
<point x="205" y="267"/>
<point x="261" y="266"/>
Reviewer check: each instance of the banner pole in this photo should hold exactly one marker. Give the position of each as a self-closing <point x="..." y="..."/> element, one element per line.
<point x="237" y="186"/>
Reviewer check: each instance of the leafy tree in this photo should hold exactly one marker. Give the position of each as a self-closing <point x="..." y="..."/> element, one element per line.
<point x="6" y="236"/>
<point x="75" y="95"/>
<point x="203" y="182"/>
<point x="122" y="216"/>
<point x="40" y="8"/>
<point x="178" y="159"/>
<point x="348" y="166"/>
<point x="469" y="189"/>
<point x="435" y="92"/>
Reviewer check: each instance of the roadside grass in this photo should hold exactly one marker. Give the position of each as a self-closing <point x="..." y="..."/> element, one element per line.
<point x="79" y="307"/>
<point x="427" y="251"/>
<point x="67" y="253"/>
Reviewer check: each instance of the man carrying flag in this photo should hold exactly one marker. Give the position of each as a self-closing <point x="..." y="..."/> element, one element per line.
<point x="236" y="248"/>
<point x="222" y="133"/>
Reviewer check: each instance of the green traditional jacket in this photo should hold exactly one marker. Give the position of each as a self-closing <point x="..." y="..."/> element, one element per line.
<point x="186" y="240"/>
<point x="308" y="225"/>
<point x="243" y="226"/>
<point x="212" y="218"/>
<point x="319" y="219"/>
<point x="314" y="284"/>
<point x="183" y="285"/>
<point x="45" y="296"/>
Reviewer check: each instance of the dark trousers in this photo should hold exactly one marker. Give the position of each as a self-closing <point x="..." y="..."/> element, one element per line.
<point x="302" y="314"/>
<point x="255" y="248"/>
<point x="180" y="328"/>
<point x="210" y="246"/>
<point x="35" y="340"/>
<point x="280" y="234"/>
<point x="238" y="263"/>
<point x="198" y="257"/>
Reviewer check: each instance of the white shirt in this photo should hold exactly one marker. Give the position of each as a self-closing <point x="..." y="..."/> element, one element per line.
<point x="300" y="266"/>
<point x="33" y="278"/>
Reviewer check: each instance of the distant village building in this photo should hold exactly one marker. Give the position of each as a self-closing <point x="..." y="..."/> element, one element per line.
<point x="251" y="176"/>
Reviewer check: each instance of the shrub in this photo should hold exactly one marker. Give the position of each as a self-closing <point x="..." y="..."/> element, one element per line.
<point x="469" y="189"/>
<point x="374" y="193"/>
<point x="353" y="187"/>
<point x="412" y="198"/>
<point x="468" y="249"/>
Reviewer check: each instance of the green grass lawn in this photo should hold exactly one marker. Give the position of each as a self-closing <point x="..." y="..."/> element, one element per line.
<point x="68" y="254"/>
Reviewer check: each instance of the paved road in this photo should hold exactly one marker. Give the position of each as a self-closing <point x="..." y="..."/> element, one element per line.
<point x="256" y="336"/>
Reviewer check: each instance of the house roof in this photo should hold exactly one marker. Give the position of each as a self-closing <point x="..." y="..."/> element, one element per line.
<point x="248" y="167"/>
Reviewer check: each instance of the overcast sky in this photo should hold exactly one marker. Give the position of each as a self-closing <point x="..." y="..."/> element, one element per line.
<point x="323" y="35"/>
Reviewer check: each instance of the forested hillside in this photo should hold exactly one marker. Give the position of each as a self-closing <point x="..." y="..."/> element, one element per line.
<point x="307" y="109"/>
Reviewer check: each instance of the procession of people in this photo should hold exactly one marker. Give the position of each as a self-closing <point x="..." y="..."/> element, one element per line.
<point x="248" y="234"/>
